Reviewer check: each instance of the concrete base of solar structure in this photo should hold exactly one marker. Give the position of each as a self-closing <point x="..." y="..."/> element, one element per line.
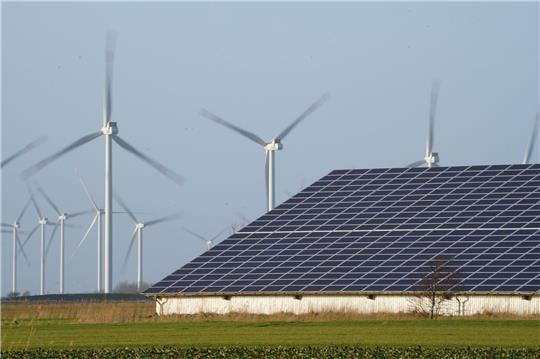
<point x="470" y="304"/>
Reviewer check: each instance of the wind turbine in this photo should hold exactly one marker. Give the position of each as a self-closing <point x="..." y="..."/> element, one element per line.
<point x="269" y="147"/>
<point x="16" y="243"/>
<point x="532" y="141"/>
<point x="138" y="233"/>
<point x="62" y="217"/>
<point x="42" y="222"/>
<point x="209" y="242"/>
<point x="109" y="131"/>
<point x="431" y="159"/>
<point x="96" y="219"/>
<point x="23" y="150"/>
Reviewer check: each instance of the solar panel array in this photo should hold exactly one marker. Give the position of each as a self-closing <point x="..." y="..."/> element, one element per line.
<point x="380" y="230"/>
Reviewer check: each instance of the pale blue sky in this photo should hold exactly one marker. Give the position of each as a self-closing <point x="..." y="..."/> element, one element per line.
<point x="258" y="65"/>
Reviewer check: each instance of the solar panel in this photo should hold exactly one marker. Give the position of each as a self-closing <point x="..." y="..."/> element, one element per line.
<point x="377" y="230"/>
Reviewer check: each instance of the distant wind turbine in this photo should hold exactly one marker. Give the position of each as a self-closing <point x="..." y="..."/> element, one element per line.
<point x="109" y="131"/>
<point x="96" y="219"/>
<point x="23" y="150"/>
<point x="17" y="245"/>
<point x="431" y="159"/>
<point x="138" y="233"/>
<point x="209" y="242"/>
<point x="42" y="222"/>
<point x="61" y="221"/>
<point x="269" y="147"/>
<point x="532" y="141"/>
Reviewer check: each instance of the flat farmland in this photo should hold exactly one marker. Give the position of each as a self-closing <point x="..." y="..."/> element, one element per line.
<point x="27" y="327"/>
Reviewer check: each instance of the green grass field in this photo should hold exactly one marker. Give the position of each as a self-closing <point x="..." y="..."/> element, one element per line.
<point x="91" y="329"/>
<point x="444" y="332"/>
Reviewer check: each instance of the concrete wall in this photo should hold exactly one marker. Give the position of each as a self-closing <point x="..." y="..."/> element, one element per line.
<point x="268" y="304"/>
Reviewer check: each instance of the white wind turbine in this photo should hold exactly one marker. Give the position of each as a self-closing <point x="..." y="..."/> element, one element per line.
<point x="269" y="147"/>
<point x="42" y="222"/>
<point x="16" y="244"/>
<point x="96" y="219"/>
<point x="109" y="131"/>
<point x="532" y="141"/>
<point x="23" y="150"/>
<point x="138" y="234"/>
<point x="209" y="242"/>
<point x="61" y="221"/>
<point x="431" y="159"/>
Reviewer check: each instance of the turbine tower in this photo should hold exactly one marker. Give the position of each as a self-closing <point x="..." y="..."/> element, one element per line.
<point x="109" y="131"/>
<point x="138" y="233"/>
<point x="209" y="242"/>
<point x="269" y="147"/>
<point x="16" y="244"/>
<point x="23" y="150"/>
<point x="532" y="141"/>
<point x="62" y="217"/>
<point x="431" y="159"/>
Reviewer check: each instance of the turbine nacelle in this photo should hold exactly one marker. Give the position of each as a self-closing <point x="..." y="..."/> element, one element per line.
<point x="63" y="217"/>
<point x="432" y="158"/>
<point x="43" y="221"/>
<point x="16" y="225"/>
<point x="275" y="145"/>
<point x="110" y="129"/>
<point x="139" y="225"/>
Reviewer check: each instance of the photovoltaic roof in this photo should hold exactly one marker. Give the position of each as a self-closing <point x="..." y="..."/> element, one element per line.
<point x="378" y="230"/>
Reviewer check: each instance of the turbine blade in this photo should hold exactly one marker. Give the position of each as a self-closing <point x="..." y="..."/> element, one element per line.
<point x="129" y="249"/>
<point x="432" y="112"/>
<point x="29" y="235"/>
<point x="36" y="207"/>
<point x="21" y="249"/>
<point x="23" y="150"/>
<point x="162" y="219"/>
<point x="51" y="239"/>
<point x="209" y="115"/>
<point x="7" y="225"/>
<point x="46" y="161"/>
<point x="81" y="213"/>
<point x="87" y="191"/>
<point x="417" y="163"/>
<point x="219" y="234"/>
<point x="195" y="234"/>
<point x="532" y="141"/>
<point x="24" y="210"/>
<point x="158" y="166"/>
<point x="320" y="101"/>
<point x="47" y="198"/>
<point x="109" y="63"/>
<point x="85" y="235"/>
<point x="125" y="207"/>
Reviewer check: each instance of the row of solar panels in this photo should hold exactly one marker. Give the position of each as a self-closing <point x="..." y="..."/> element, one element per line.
<point x="381" y="230"/>
<point x="234" y="263"/>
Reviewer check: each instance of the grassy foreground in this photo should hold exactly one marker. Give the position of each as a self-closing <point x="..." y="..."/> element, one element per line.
<point x="98" y="325"/>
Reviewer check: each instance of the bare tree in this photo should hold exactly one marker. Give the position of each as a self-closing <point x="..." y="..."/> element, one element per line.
<point x="439" y="285"/>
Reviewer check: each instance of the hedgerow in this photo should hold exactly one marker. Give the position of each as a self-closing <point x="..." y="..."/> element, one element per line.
<point x="269" y="352"/>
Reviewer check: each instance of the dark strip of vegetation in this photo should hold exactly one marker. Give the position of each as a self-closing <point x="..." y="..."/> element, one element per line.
<point x="278" y="352"/>
<point x="80" y="297"/>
